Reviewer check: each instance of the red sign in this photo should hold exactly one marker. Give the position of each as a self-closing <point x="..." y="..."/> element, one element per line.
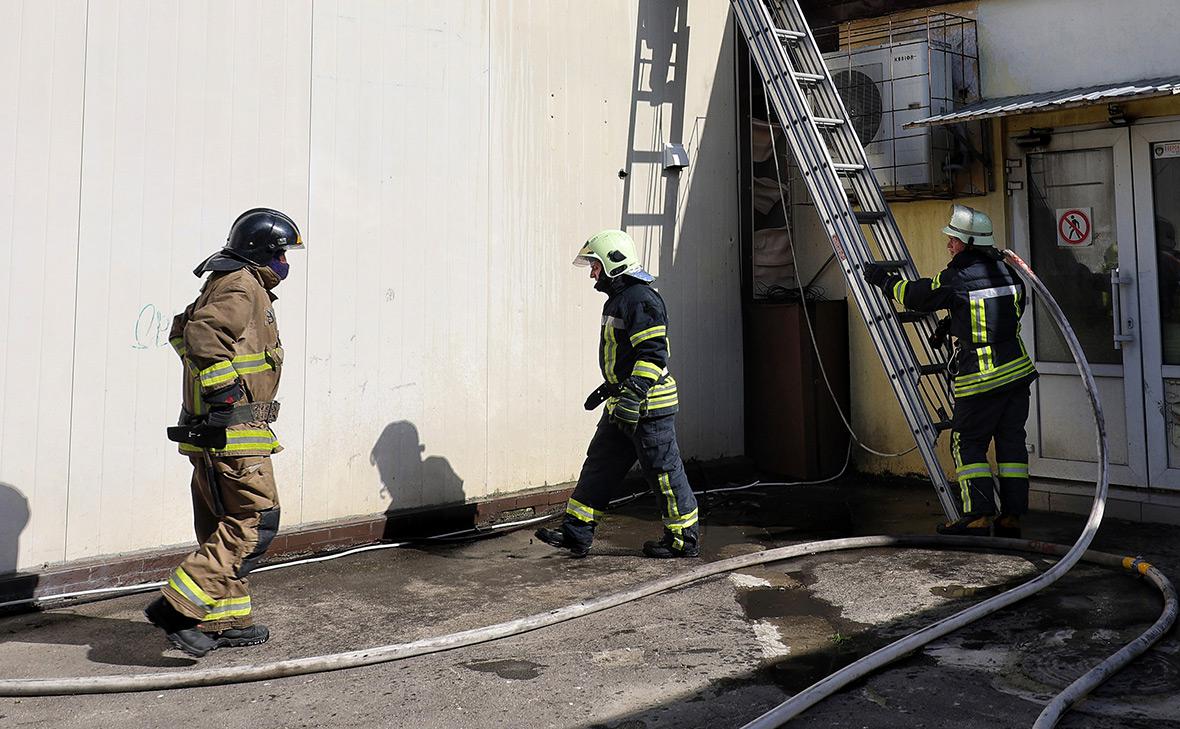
<point x="1074" y="228"/>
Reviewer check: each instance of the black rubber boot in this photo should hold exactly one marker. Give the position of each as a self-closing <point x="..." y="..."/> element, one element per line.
<point x="241" y="637"/>
<point x="558" y="538"/>
<point x="978" y="525"/>
<point x="180" y="629"/>
<point x="1008" y="526"/>
<point x="663" y="549"/>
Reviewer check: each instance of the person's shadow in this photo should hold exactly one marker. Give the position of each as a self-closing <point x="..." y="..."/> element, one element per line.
<point x="414" y="483"/>
<point x="111" y="641"/>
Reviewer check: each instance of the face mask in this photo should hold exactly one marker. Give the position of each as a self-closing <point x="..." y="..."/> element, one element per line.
<point x="282" y="268"/>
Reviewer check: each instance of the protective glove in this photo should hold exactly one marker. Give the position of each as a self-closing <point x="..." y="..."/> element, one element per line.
<point x="626" y="411"/>
<point x="220" y="403"/>
<point x="875" y="275"/>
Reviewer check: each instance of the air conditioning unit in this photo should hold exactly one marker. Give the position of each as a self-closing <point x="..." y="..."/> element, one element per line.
<point x="886" y="87"/>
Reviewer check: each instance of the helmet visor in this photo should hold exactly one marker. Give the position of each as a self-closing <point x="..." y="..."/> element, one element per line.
<point x="584" y="260"/>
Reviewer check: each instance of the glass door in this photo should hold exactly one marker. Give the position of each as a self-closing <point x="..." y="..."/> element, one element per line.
<point x="1073" y="221"/>
<point x="1155" y="152"/>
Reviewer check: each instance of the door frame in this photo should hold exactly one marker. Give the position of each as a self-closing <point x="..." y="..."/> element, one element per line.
<point x="1154" y="370"/>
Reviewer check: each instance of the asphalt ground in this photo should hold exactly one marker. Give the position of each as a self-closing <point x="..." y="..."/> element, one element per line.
<point x="713" y="654"/>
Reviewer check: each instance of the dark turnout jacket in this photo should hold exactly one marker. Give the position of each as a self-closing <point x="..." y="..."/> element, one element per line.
<point x="986" y="299"/>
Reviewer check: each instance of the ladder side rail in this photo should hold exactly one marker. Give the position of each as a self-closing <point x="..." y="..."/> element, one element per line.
<point x="891" y="342"/>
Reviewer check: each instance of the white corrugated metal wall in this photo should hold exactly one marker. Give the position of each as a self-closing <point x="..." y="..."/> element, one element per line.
<point x="445" y="160"/>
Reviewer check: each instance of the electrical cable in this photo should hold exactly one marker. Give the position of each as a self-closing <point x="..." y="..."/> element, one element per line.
<point x="807" y="317"/>
<point x="146" y="586"/>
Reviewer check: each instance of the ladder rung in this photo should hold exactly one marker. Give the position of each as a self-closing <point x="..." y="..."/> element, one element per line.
<point x="828" y="121"/>
<point x="810" y="78"/>
<point x="789" y="35"/>
<point x="935" y="368"/>
<point x="867" y="217"/>
<point x="893" y="264"/>
<point x="847" y="167"/>
<point x="910" y="317"/>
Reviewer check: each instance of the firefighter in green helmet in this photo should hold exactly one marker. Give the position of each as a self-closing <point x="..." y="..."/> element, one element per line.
<point x="990" y="370"/>
<point x="638" y="423"/>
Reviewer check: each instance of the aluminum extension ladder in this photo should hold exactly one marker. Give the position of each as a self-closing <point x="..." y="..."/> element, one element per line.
<point x="849" y="201"/>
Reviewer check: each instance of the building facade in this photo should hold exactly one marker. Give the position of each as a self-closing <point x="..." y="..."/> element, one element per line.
<point x="445" y="161"/>
<point x="1085" y="163"/>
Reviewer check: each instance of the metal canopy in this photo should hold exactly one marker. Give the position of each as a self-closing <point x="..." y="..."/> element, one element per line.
<point x="1054" y="100"/>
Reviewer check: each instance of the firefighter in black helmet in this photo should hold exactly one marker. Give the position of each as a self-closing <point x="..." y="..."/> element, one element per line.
<point x="228" y="341"/>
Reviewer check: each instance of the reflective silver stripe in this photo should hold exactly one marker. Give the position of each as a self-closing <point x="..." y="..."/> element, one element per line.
<point x="993" y="293"/>
<point x="177" y="584"/>
<point x="682" y="522"/>
<point x="612" y="321"/>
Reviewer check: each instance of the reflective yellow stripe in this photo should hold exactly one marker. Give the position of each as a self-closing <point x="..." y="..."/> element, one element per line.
<point x="609" y="352"/>
<point x="647" y="370"/>
<point x="974" y="470"/>
<point x="995" y="381"/>
<point x="682" y="522"/>
<point x="192" y="586"/>
<point x="581" y="512"/>
<point x="178" y="344"/>
<point x="246" y="364"/>
<point x="237" y="441"/>
<point x="899" y="291"/>
<point x="1012" y="470"/>
<point x="666" y="489"/>
<point x="217" y="374"/>
<point x="650" y="333"/>
<point x="936" y="282"/>
<point x="975" y="377"/>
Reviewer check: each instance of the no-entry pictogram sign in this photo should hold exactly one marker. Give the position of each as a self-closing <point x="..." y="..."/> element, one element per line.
<point x="1074" y="227"/>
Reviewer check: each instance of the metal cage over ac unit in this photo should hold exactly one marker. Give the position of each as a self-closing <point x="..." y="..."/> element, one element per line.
<point x="891" y="72"/>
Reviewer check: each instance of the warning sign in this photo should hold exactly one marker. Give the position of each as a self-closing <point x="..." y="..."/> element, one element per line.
<point x="1074" y="227"/>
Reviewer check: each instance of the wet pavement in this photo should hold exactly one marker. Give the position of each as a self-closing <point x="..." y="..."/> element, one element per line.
<point x="714" y="654"/>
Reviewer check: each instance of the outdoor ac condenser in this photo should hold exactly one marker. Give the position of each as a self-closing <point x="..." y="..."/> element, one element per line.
<point x="886" y="87"/>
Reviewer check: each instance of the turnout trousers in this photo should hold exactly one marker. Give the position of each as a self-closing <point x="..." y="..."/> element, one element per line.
<point x="610" y="456"/>
<point x="977" y="421"/>
<point x="233" y="532"/>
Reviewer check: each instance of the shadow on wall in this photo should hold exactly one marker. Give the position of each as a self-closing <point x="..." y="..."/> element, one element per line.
<point x="14" y="516"/>
<point x="413" y="482"/>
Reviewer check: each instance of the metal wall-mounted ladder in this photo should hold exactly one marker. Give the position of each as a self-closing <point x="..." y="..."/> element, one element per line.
<point x="849" y="201"/>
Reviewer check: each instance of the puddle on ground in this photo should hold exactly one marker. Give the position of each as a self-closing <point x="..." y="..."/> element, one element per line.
<point x="511" y="668"/>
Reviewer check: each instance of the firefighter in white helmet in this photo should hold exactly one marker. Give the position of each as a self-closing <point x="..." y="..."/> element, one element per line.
<point x="641" y="403"/>
<point x="990" y="369"/>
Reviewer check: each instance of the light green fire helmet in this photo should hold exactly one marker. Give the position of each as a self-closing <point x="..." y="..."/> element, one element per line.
<point x="970" y="226"/>
<point x="615" y="250"/>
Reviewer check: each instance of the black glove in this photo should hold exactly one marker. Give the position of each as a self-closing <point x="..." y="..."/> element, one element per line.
<point x="875" y="275"/>
<point x="600" y="394"/>
<point x="220" y="403"/>
<point x="626" y="410"/>
<point x="938" y="339"/>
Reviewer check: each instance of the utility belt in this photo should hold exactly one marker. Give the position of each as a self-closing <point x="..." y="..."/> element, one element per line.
<point x="266" y="411"/>
<point x="193" y="429"/>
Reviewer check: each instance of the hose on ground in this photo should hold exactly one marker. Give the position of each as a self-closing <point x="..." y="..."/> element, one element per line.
<point x="398" y="651"/>
<point x="825" y="687"/>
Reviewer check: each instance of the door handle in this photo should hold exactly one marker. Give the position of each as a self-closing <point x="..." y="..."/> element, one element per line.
<point x="1117" y="280"/>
